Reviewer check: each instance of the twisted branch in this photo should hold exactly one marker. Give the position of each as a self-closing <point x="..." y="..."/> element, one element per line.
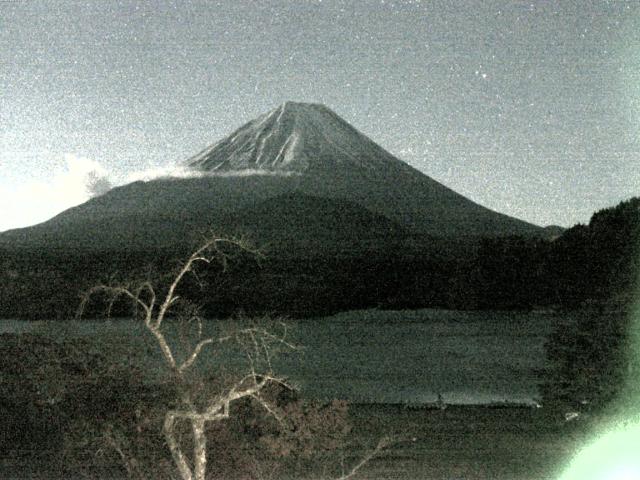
<point x="144" y="297"/>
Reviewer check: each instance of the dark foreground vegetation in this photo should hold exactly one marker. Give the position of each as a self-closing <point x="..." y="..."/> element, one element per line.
<point x="73" y="409"/>
<point x="592" y="265"/>
<point x="70" y="412"/>
<point x="591" y="269"/>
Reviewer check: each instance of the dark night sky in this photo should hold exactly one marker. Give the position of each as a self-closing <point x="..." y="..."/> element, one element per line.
<point x="529" y="108"/>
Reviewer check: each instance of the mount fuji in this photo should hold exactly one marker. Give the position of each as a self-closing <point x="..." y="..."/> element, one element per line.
<point x="297" y="153"/>
<point x="332" y="159"/>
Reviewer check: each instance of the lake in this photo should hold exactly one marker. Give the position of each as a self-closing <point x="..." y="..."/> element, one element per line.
<point x="371" y="355"/>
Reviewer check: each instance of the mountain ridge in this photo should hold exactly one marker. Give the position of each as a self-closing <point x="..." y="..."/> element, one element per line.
<point x="279" y="137"/>
<point x="334" y="159"/>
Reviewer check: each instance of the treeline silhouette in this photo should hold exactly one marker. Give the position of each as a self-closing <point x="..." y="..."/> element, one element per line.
<point x="589" y="273"/>
<point x="593" y="266"/>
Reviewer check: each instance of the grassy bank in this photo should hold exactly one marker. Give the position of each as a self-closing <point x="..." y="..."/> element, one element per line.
<point x="470" y="442"/>
<point x="459" y="442"/>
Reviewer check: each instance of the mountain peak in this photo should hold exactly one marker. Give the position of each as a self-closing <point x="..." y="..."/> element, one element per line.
<point x="293" y="106"/>
<point x="302" y="112"/>
<point x="292" y="137"/>
<point x="307" y="109"/>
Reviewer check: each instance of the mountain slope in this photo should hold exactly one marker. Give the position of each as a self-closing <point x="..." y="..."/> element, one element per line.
<point x="296" y="148"/>
<point x="158" y="213"/>
<point x="334" y="160"/>
<point x="296" y="224"/>
<point x="295" y="137"/>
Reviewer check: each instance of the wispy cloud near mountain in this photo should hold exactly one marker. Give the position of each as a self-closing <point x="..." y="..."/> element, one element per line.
<point x="186" y="172"/>
<point x="34" y="202"/>
<point x="76" y="181"/>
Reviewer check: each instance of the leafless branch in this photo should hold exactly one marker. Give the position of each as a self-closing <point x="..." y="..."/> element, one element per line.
<point x="270" y="410"/>
<point x="382" y="444"/>
<point x="257" y="342"/>
<point x="113" y="292"/>
<point x="194" y="355"/>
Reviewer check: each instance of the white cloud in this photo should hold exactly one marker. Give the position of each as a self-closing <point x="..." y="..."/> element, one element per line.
<point x="154" y="173"/>
<point x="81" y="178"/>
<point x="34" y="202"/>
<point x="184" y="172"/>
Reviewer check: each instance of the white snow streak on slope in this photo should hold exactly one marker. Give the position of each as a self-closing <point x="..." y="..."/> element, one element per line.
<point x="263" y="142"/>
<point x="281" y="138"/>
<point x="288" y="149"/>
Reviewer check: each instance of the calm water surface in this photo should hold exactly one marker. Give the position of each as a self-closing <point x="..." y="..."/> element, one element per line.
<point x="374" y="356"/>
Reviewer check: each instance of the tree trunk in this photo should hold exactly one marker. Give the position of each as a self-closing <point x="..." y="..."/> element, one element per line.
<point x="199" y="448"/>
<point x="178" y="457"/>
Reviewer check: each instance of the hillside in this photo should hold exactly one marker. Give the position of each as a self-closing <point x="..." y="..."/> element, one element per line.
<point x="330" y="158"/>
<point x="296" y="224"/>
<point x="297" y="148"/>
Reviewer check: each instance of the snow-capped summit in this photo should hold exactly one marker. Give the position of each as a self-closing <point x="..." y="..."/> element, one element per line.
<point x="294" y="137"/>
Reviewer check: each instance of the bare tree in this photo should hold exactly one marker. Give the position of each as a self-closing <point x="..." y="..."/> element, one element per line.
<point x="257" y="341"/>
<point x="198" y="404"/>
